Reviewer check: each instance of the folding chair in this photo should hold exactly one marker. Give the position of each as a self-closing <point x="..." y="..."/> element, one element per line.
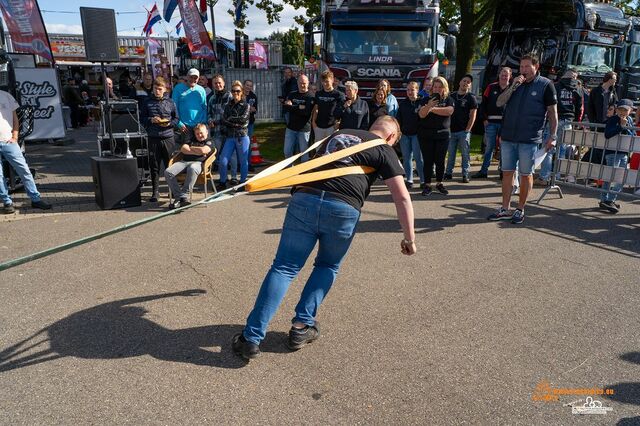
<point x="204" y="177"/>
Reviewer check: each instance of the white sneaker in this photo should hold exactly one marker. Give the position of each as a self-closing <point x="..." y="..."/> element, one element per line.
<point x="516" y="190"/>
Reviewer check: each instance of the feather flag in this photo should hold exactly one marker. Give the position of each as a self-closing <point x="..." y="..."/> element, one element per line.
<point x="152" y="18"/>
<point x="179" y="27"/>
<point x="169" y="8"/>
<point x="203" y="10"/>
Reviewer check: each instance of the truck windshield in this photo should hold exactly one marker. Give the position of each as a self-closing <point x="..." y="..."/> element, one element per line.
<point x="634" y="58"/>
<point x="593" y="58"/>
<point x="351" y="43"/>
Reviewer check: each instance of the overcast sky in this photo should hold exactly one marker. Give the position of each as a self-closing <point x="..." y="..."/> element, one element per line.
<point x="132" y="23"/>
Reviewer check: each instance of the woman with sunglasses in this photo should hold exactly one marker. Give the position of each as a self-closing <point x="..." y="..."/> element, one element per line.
<point x="235" y="119"/>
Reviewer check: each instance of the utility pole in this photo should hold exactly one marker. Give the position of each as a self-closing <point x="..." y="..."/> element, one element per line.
<point x="216" y="62"/>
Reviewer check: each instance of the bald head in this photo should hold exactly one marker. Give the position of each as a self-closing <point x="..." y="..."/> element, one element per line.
<point x="387" y="128"/>
<point x="303" y="83"/>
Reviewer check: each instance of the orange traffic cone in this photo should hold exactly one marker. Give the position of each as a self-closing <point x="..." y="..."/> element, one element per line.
<point x="256" y="158"/>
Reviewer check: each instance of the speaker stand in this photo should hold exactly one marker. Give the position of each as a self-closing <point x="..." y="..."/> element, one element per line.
<point x="107" y="109"/>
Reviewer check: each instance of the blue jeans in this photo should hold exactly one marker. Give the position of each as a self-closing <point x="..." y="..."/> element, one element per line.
<point x="547" y="163"/>
<point x="241" y="146"/>
<point x="250" y="129"/>
<point x="491" y="131"/>
<point x="518" y="155"/>
<point x="460" y="140"/>
<point x="613" y="160"/>
<point x="310" y="218"/>
<point x="409" y="145"/>
<point x="293" y="139"/>
<point x="218" y="141"/>
<point x="12" y="153"/>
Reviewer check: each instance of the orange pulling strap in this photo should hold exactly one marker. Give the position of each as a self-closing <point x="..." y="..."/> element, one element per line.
<point x="277" y="176"/>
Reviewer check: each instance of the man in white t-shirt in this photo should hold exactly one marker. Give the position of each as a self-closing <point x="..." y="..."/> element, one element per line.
<point x="10" y="151"/>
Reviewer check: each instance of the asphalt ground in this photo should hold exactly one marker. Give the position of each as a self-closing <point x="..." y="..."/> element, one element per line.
<point x="135" y="328"/>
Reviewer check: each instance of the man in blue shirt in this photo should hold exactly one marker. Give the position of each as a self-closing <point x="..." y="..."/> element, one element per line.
<point x="191" y="104"/>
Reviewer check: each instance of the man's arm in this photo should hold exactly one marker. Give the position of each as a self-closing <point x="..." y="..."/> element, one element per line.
<point x="552" y="116"/>
<point x="506" y="95"/>
<point x="15" y="129"/>
<point x="404" y="209"/>
<point x="472" y="119"/>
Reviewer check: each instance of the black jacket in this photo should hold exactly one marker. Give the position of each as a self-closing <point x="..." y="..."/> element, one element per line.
<point x="570" y="103"/>
<point x="163" y="108"/>
<point x="289" y="86"/>
<point x="595" y="106"/>
<point x="235" y="119"/>
<point x="355" y="116"/>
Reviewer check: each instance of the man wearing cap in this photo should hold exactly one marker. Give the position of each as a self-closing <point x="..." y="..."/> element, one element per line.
<point x="191" y="104"/>
<point x="619" y="124"/>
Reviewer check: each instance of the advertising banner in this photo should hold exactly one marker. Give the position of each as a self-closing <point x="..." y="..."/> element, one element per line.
<point x="25" y="25"/>
<point x="38" y="87"/>
<point x="194" y="30"/>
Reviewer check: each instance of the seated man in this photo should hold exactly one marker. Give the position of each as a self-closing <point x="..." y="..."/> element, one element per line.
<point x="194" y="152"/>
<point x="10" y="151"/>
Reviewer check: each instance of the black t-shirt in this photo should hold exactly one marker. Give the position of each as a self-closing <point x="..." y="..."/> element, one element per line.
<point x="463" y="104"/>
<point x="434" y="122"/>
<point x="299" y="111"/>
<point x="327" y="103"/>
<point x="193" y="142"/>
<point x="252" y="100"/>
<point x="354" y="189"/>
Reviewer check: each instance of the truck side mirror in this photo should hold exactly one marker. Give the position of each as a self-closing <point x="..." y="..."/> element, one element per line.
<point x="453" y="29"/>
<point x="450" y="47"/>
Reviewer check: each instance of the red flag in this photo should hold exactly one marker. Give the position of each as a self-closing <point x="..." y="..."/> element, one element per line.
<point x="194" y="30"/>
<point x="27" y="30"/>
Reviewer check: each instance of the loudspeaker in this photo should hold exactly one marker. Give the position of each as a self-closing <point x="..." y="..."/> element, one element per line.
<point x="116" y="182"/>
<point x="100" y="35"/>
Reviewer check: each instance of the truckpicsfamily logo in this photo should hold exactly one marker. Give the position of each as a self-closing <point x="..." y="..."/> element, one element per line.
<point x="379" y="72"/>
<point x="31" y="93"/>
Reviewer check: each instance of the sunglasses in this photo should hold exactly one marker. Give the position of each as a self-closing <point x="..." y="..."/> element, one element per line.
<point x="236" y="91"/>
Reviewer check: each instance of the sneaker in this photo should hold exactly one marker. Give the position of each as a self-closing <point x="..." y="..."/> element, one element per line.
<point x="480" y="175"/>
<point x="609" y="206"/>
<point x="408" y="184"/>
<point x="174" y="204"/>
<point x="40" y="205"/>
<point x="441" y="189"/>
<point x="184" y="202"/>
<point x="8" y="209"/>
<point x="233" y="182"/>
<point x="518" y="217"/>
<point x="299" y="337"/>
<point x="244" y="348"/>
<point x="447" y="176"/>
<point x="426" y="191"/>
<point x="500" y="214"/>
<point x="423" y="185"/>
<point x="515" y="190"/>
<point x="465" y="179"/>
<point x="154" y="197"/>
<point x="221" y="186"/>
<point x="540" y="182"/>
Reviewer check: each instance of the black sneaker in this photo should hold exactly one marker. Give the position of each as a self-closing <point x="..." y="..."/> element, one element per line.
<point x="221" y="186"/>
<point x="480" y="175"/>
<point x="154" y="197"/>
<point x="500" y="214"/>
<point x="609" y="206"/>
<point x="233" y="182"/>
<point x="299" y="337"/>
<point x="441" y="189"/>
<point x="409" y="185"/>
<point x="447" y="176"/>
<point x="244" y="348"/>
<point x="426" y="191"/>
<point x="8" y="209"/>
<point x="518" y="217"/>
<point x="40" y="205"/>
<point x="174" y="204"/>
<point x="465" y="179"/>
<point x="184" y="202"/>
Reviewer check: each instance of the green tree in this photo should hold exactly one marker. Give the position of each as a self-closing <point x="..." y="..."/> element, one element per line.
<point x="292" y="46"/>
<point x="474" y="18"/>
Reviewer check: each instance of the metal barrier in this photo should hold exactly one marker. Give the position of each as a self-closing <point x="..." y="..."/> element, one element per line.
<point x="587" y="166"/>
<point x="267" y="85"/>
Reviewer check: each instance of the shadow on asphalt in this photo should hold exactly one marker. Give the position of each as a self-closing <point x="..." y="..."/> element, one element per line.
<point x="627" y="392"/>
<point x="119" y="330"/>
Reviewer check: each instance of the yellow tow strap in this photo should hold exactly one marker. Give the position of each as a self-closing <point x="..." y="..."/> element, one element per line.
<point x="278" y="176"/>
